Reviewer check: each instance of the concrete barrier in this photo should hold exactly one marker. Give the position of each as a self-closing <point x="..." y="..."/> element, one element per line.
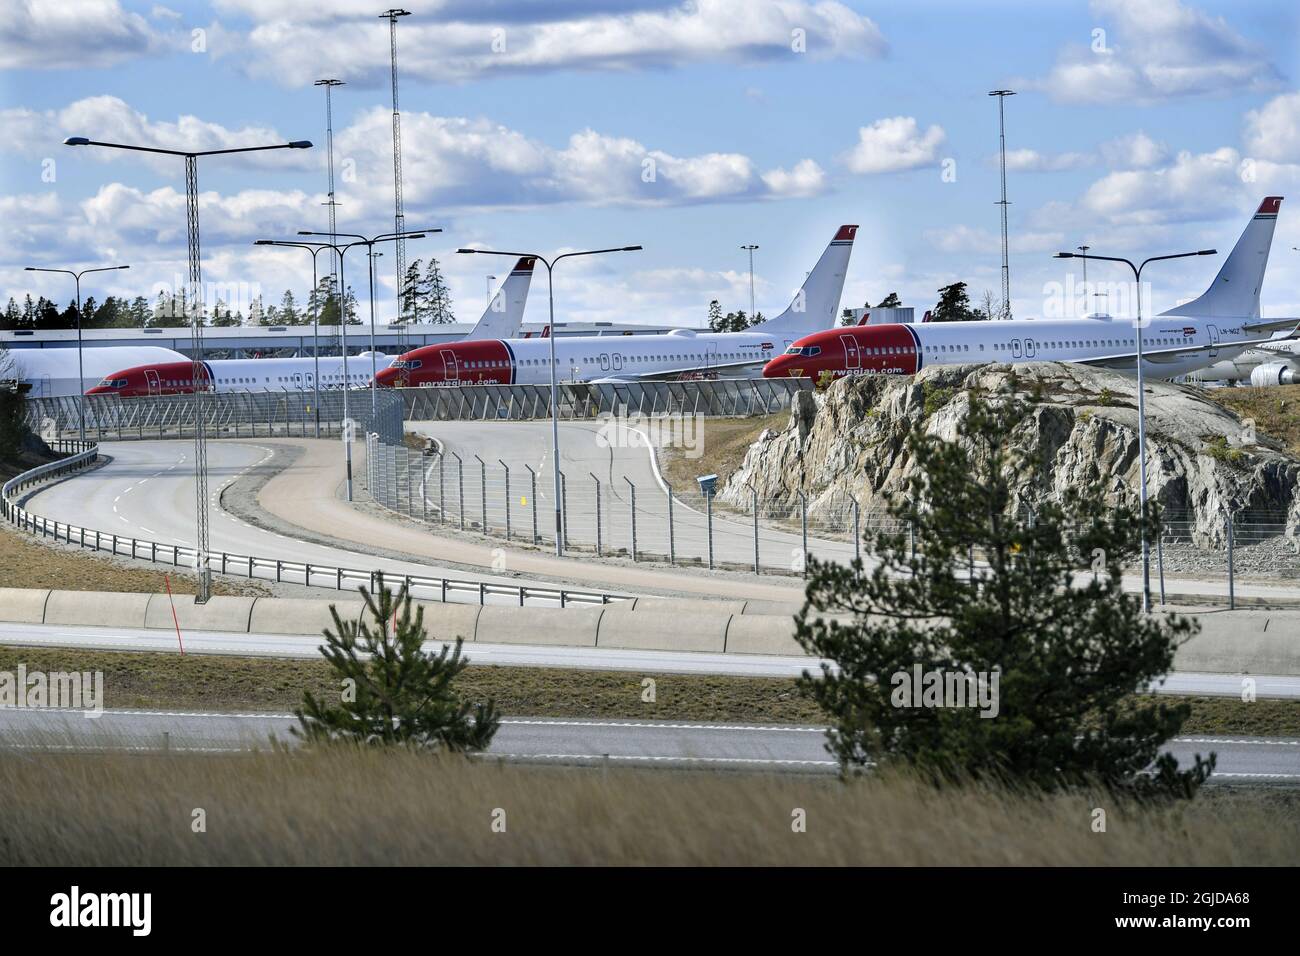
<point x="681" y="605"/>
<point x="574" y="627"/>
<point x="97" y="608"/>
<point x="299" y="615"/>
<point x="779" y="608"/>
<point x="665" y="630"/>
<point x="446" y="622"/>
<point x="221" y="613"/>
<point x="761" y="634"/>
<point x="23" y="605"/>
<point x="1244" y="642"/>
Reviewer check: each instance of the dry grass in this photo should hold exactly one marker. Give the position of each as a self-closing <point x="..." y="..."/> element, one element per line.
<point x="1276" y="411"/>
<point x="724" y="443"/>
<point x="27" y="563"/>
<point x="348" y="808"/>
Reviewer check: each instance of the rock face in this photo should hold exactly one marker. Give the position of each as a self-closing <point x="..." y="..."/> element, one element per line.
<point x="1202" y="460"/>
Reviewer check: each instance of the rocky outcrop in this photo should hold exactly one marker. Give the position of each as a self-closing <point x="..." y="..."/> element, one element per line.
<point x="1202" y="460"/>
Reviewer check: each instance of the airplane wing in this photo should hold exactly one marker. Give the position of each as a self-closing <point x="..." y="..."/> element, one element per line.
<point x="1128" y="360"/>
<point x="675" y="374"/>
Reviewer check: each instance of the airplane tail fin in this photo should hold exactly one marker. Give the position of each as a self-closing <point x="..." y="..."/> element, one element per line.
<point x="926" y="317"/>
<point x="817" y="303"/>
<point x="505" y="313"/>
<point x="1235" y="290"/>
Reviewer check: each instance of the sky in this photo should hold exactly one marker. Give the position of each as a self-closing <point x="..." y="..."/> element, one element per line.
<point x="691" y="129"/>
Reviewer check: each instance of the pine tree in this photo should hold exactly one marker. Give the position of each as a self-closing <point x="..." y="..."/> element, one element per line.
<point x="393" y="692"/>
<point x="715" y="316"/>
<point x="289" y="314"/>
<point x="437" y="300"/>
<point x="13" y="317"/>
<point x="954" y="305"/>
<point x="411" y="293"/>
<point x="891" y="301"/>
<point x="139" y="313"/>
<point x="1073" y="652"/>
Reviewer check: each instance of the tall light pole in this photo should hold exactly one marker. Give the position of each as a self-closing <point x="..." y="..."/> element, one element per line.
<point x="1002" y="152"/>
<point x="314" y="248"/>
<point x="330" y="201"/>
<point x="81" y="377"/>
<point x="1084" y="250"/>
<point x="399" y="215"/>
<point x="1142" y="407"/>
<point x="555" y="402"/>
<point x="197" y="371"/>
<point x="369" y="243"/>
<point x="750" y="250"/>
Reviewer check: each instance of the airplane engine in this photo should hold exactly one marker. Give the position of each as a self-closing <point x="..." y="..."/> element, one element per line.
<point x="1274" y="373"/>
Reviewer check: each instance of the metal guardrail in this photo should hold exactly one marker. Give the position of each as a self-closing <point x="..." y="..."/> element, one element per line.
<point x="445" y="590"/>
<point x="228" y="414"/>
<point x="722" y="397"/>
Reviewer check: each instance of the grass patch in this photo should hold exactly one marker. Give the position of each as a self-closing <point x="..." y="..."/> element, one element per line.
<point x="412" y="809"/>
<point x="723" y="443"/>
<point x="936" y="396"/>
<point x="1217" y="447"/>
<point x="26" y="563"/>
<point x="149" y="681"/>
<point x="1276" y="410"/>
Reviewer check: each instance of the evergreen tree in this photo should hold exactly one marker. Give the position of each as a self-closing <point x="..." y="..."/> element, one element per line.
<point x="437" y="300"/>
<point x="29" y="312"/>
<point x="412" y="293"/>
<point x="891" y="301"/>
<point x="393" y="692"/>
<point x="13" y="317"/>
<point x="715" y="316"/>
<point x="138" y="316"/>
<point x="47" y="315"/>
<point x="1073" y="652"/>
<point x="221" y="315"/>
<point x="954" y="305"/>
<point x="289" y="314"/>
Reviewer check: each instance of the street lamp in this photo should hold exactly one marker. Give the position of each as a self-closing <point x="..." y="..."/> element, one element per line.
<point x="81" y="378"/>
<point x="1142" y="408"/>
<point x="370" y="244"/>
<point x="314" y="248"/>
<point x="750" y="250"/>
<point x="555" y="404"/>
<point x="196" y="329"/>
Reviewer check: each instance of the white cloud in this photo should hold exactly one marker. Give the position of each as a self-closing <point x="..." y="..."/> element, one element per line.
<point x="1155" y="50"/>
<point x="1032" y="161"/>
<point x="893" y="144"/>
<point x="806" y="178"/>
<point x="43" y="35"/>
<point x="111" y="120"/>
<point x="1135" y="151"/>
<point x="289" y="42"/>
<point x="1273" y="131"/>
<point x="983" y="242"/>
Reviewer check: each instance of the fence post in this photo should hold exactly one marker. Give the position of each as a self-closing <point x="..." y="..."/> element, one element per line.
<point x="803" y="523"/>
<point x="672" y="550"/>
<point x="708" y="520"/>
<point x="857" y="529"/>
<point x="599" y="551"/>
<point x="564" y="512"/>
<point x="507" y="471"/>
<point x="532" y="492"/>
<point x="754" y="496"/>
<point x="633" y="512"/>
<point x="1232" y="593"/>
<point x="442" y="501"/>
<point x="460" y="482"/>
<point x="482" y="490"/>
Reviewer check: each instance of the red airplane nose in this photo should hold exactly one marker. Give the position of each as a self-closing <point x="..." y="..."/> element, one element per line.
<point x="386" y="378"/>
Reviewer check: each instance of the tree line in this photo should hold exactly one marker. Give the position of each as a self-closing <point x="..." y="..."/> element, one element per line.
<point x="425" y="298"/>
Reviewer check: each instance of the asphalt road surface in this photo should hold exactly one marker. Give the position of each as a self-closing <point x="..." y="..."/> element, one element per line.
<point x="524" y="655"/>
<point x="671" y="743"/>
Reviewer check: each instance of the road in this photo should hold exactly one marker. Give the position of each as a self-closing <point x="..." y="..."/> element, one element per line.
<point x="624" y="742"/>
<point x="526" y="655"/>
<point x="147" y="491"/>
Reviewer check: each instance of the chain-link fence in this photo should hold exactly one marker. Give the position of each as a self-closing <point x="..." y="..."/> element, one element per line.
<point x="227" y="415"/>
<point x="683" y="526"/>
<point x="724" y="397"/>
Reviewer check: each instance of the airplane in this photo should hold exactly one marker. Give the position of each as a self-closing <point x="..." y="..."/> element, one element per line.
<point x="1276" y="363"/>
<point x="503" y="317"/>
<point x="679" y="355"/>
<point x="1217" y="326"/>
<point x="52" y="372"/>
